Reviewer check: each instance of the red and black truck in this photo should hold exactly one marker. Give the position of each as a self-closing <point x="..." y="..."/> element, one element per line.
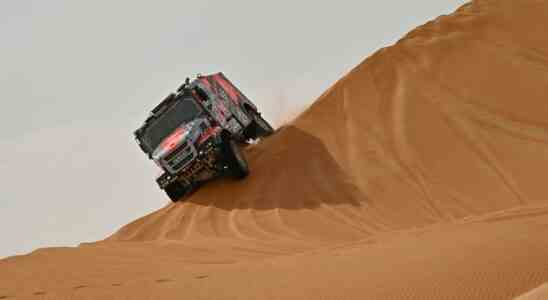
<point x="196" y="133"/>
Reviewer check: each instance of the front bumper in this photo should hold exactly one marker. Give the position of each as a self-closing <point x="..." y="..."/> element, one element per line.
<point x="204" y="166"/>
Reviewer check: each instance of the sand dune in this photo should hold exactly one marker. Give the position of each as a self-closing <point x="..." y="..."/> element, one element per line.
<point x="419" y="175"/>
<point x="539" y="293"/>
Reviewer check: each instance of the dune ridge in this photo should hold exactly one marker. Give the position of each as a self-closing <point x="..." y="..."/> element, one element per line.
<point x="419" y="175"/>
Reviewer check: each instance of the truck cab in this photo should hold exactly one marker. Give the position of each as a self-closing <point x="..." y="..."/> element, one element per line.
<point x="196" y="134"/>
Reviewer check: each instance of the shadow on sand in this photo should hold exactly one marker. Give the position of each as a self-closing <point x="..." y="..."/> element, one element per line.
<point x="290" y="170"/>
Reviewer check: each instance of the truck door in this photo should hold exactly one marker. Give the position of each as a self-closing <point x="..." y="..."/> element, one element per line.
<point x="216" y="107"/>
<point x="232" y="96"/>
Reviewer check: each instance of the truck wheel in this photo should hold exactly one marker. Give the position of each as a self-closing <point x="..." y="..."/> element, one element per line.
<point x="259" y="126"/>
<point x="235" y="159"/>
<point x="176" y="191"/>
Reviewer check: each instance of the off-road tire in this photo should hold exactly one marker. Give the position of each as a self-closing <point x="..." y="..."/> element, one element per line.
<point x="176" y="190"/>
<point x="235" y="159"/>
<point x="259" y="126"/>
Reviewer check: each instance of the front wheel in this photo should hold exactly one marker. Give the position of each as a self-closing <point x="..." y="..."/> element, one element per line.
<point x="259" y="126"/>
<point x="235" y="159"/>
<point x="176" y="190"/>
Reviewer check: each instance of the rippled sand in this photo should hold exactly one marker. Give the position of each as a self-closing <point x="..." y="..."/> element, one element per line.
<point x="419" y="175"/>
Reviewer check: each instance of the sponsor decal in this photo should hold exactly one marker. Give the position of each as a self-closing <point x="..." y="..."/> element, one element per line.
<point x="206" y="83"/>
<point x="232" y="92"/>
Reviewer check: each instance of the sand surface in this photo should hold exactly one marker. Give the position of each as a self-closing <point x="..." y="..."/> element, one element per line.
<point x="540" y="293"/>
<point x="419" y="175"/>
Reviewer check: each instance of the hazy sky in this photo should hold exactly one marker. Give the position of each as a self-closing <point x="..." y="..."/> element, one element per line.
<point x="77" y="77"/>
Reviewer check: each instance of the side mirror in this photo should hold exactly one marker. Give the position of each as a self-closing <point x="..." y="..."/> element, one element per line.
<point x="184" y="85"/>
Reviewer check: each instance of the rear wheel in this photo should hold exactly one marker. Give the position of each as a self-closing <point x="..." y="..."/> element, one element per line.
<point x="176" y="190"/>
<point x="235" y="159"/>
<point x="259" y="126"/>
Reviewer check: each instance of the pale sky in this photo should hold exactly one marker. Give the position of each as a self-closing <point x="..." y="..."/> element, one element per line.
<point x="77" y="77"/>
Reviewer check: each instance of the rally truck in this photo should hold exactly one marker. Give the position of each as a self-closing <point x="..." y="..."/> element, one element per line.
<point x="197" y="133"/>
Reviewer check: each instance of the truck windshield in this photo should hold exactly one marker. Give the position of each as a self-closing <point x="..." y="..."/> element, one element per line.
<point x="183" y="111"/>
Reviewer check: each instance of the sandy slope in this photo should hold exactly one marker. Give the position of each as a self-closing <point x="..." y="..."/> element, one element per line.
<point x="420" y="175"/>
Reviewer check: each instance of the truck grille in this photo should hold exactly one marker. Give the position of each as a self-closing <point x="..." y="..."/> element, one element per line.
<point x="183" y="162"/>
<point x="175" y="152"/>
<point x="179" y="158"/>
